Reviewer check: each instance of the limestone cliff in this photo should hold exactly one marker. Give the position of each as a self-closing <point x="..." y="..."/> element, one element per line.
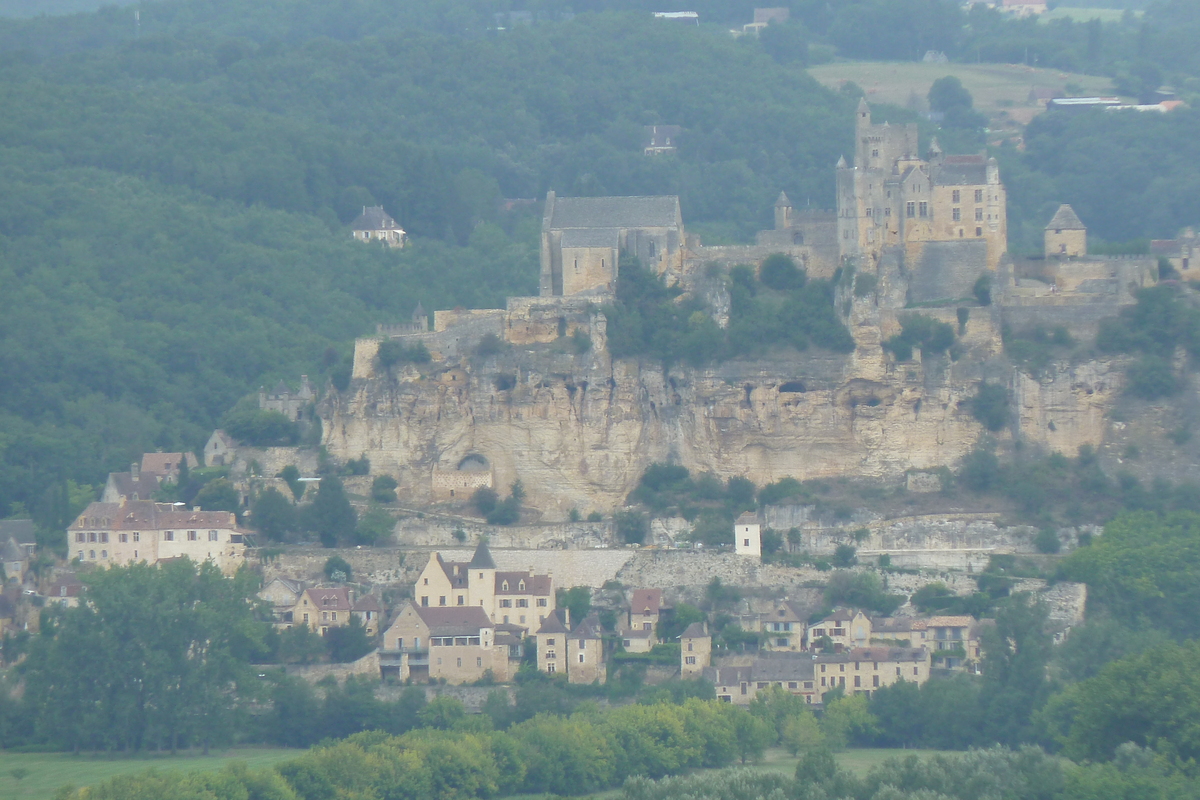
<point x="578" y="430"/>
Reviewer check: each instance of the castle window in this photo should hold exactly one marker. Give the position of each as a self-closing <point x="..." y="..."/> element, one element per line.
<point x="979" y="195"/>
<point x="874" y="154"/>
<point x="923" y="208"/>
<point x="442" y="600"/>
<point x="887" y="212"/>
<point x="541" y="602"/>
<point x="979" y="215"/>
<point x="213" y="536"/>
<point x="192" y="536"/>
<point x="956" y="196"/>
<point x="81" y="537"/>
<point x="979" y="231"/>
<point x="169" y="536"/>
<point x="577" y="265"/>
<point x="691" y="659"/>
<point x="910" y="210"/>
<point x="956" y="214"/>
<point x="137" y="537"/>
<point x="91" y="536"/>
<point x="124" y="537"/>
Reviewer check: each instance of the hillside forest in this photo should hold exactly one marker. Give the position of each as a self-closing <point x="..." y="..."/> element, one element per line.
<point x="176" y="189"/>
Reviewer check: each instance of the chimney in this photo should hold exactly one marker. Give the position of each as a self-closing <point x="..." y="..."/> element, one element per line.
<point x="135" y="469"/>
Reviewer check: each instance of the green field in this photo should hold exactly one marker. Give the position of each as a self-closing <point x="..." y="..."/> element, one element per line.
<point x="1001" y="91"/>
<point x="50" y="771"/>
<point x="1085" y="14"/>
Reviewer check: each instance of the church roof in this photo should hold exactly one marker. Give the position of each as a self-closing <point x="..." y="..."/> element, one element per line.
<point x="482" y="558"/>
<point x="614" y="212"/>
<point x="591" y="237"/>
<point x="1066" y="219"/>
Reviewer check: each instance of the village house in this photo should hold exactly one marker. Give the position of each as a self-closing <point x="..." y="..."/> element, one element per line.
<point x="451" y="643"/>
<point x="64" y="590"/>
<point x="374" y="224"/>
<point x="640" y="633"/>
<point x="283" y="595"/>
<point x="860" y="670"/>
<point x="747" y="535"/>
<point x="552" y="643"/>
<point x="18" y="544"/>
<point x="783" y="628"/>
<point x="846" y="628"/>
<point x="368" y="611"/>
<point x="695" y="650"/>
<point x="321" y="608"/>
<point x="166" y="465"/>
<point x="585" y="652"/>
<point x="130" y="531"/>
<point x="284" y="401"/>
<point x="953" y="641"/>
<point x="220" y="449"/>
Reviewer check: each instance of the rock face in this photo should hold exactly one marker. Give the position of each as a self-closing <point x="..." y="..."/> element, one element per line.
<point x="579" y="430"/>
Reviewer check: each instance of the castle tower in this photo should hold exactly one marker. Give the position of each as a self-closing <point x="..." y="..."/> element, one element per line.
<point x="695" y="650"/>
<point x="747" y="536"/>
<point x="1066" y="235"/>
<point x="481" y="579"/>
<point x="783" y="212"/>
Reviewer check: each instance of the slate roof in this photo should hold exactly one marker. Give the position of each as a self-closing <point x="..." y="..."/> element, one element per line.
<point x="588" y="629"/>
<point x="553" y="623"/>
<point x="783" y="201"/>
<point x="960" y="171"/>
<point x="534" y="584"/>
<point x="747" y="518"/>
<point x="591" y="237"/>
<point x="19" y="529"/>
<point x="368" y="602"/>
<point x="614" y="212"/>
<point x="454" y="621"/>
<point x="147" y="515"/>
<point x="373" y="218"/>
<point x="142" y="487"/>
<point x="11" y="552"/>
<point x="1066" y="219"/>
<point x="694" y="631"/>
<point x="964" y="621"/>
<point x="482" y="558"/>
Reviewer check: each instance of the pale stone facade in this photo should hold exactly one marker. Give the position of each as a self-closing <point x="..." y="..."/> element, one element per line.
<point x="747" y="536"/>
<point x="1066" y="236"/>
<point x="518" y="598"/>
<point x="585" y="653"/>
<point x="846" y="628"/>
<point x="858" y="671"/>
<point x="695" y="651"/>
<point x="127" y="532"/>
<point x="455" y="644"/>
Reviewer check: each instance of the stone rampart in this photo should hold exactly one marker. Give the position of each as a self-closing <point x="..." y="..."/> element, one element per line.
<point x="367" y="666"/>
<point x="439" y="532"/>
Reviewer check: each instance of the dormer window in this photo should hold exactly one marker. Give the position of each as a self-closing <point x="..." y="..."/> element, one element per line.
<point x="521" y="586"/>
<point x="504" y="586"/>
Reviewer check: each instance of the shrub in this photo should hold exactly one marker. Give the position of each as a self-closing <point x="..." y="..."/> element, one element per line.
<point x="337" y="569"/>
<point x="918" y="330"/>
<point x="1047" y="541"/>
<point x="383" y="489"/>
<point x="864" y="284"/>
<point x="484" y="499"/>
<point x="489" y="345"/>
<point x="779" y="272"/>
<point x="983" y="290"/>
<point x="632" y="526"/>
<point x="845" y="556"/>
<point x="259" y="428"/>
<point x="1151" y="377"/>
<point x="359" y="466"/>
<point x="990" y="405"/>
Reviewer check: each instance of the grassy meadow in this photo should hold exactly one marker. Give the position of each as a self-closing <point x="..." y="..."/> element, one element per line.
<point x="1001" y="91"/>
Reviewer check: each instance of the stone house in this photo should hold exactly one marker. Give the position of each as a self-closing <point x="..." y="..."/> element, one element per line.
<point x="283" y="400"/>
<point x="133" y="485"/>
<point x="368" y="610"/>
<point x="552" y="643"/>
<point x="166" y="465"/>
<point x="695" y="650"/>
<point x="747" y="535"/>
<point x="452" y="643"/>
<point x="374" y="224"/>
<point x="953" y="640"/>
<point x="1182" y="252"/>
<point x="512" y="598"/>
<point x="64" y="590"/>
<point x="282" y="595"/>
<point x="220" y="450"/>
<point x="321" y="608"/>
<point x="660" y="139"/>
<point x="861" y="670"/>
<point x="130" y="531"/>
<point x="847" y="628"/>
<point x="645" y="609"/>
<point x="18" y="544"/>
<point x="740" y="684"/>
<point x="585" y="652"/>
<point x="783" y="628"/>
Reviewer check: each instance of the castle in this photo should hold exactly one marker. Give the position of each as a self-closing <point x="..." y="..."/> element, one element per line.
<point x="578" y="427"/>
